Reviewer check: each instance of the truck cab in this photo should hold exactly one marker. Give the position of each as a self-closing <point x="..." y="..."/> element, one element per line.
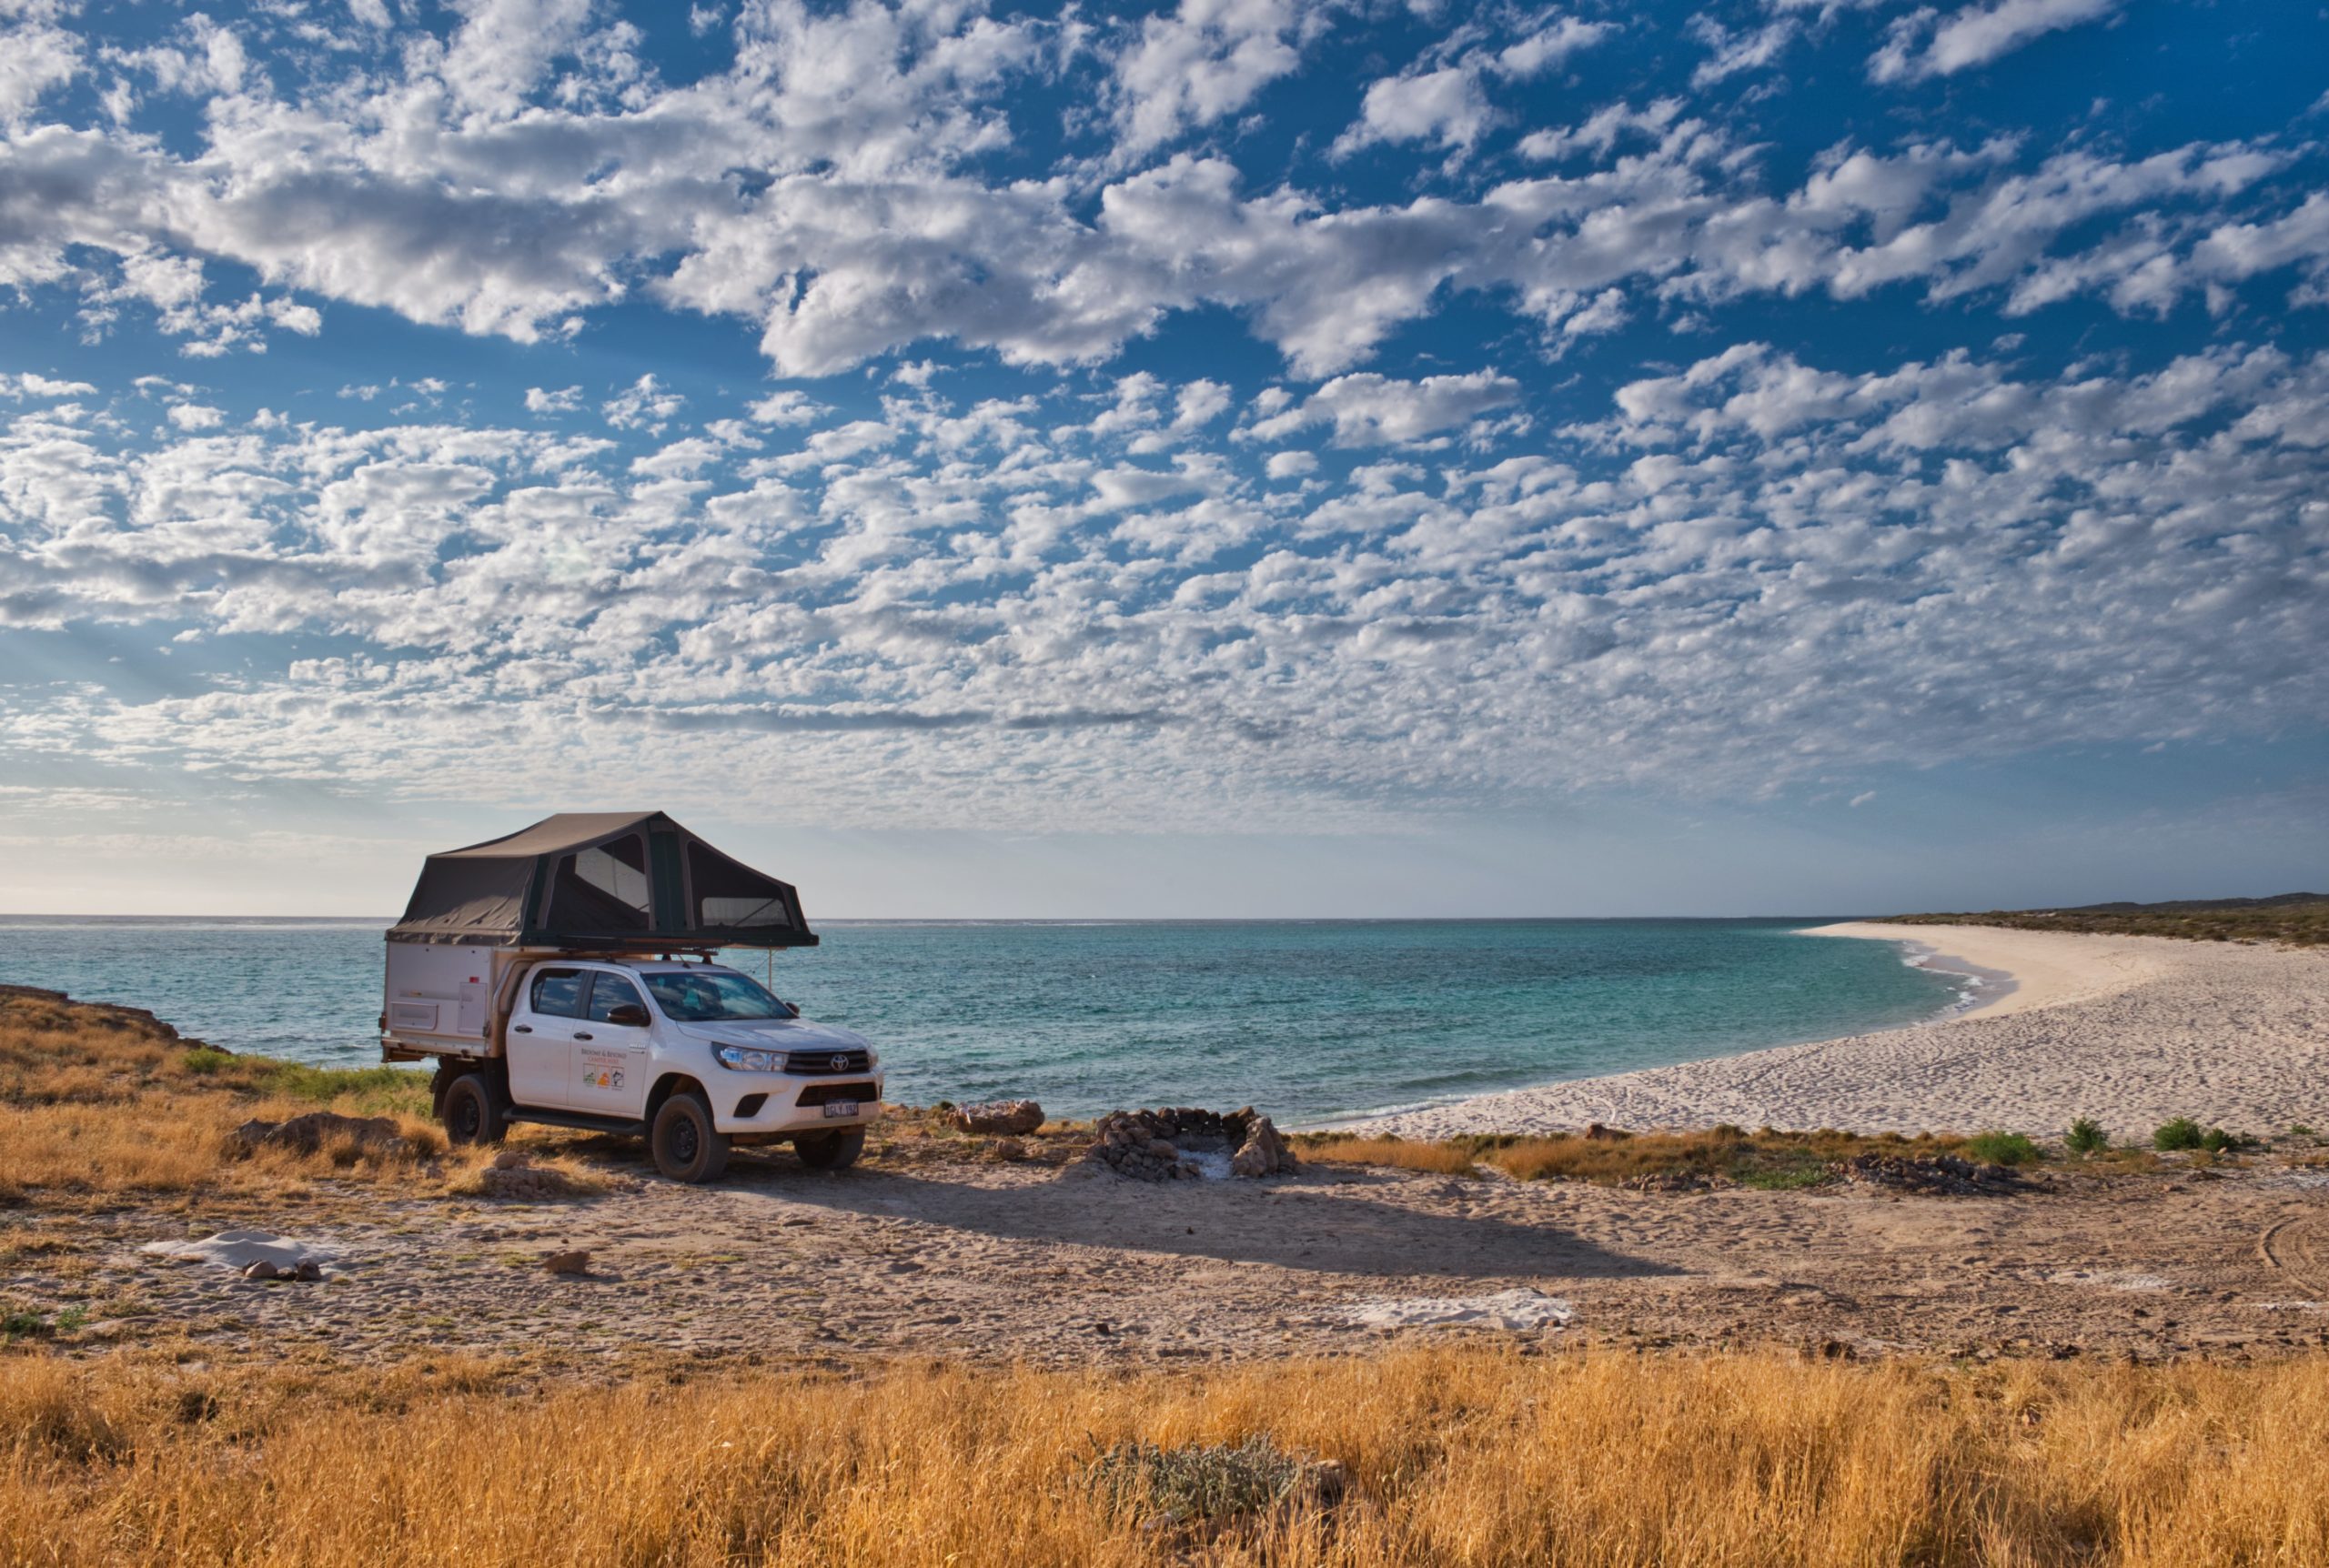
<point x="695" y="1056"/>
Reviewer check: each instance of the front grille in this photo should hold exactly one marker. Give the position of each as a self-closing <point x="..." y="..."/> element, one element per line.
<point x="826" y="1064"/>
<point x="826" y="1093"/>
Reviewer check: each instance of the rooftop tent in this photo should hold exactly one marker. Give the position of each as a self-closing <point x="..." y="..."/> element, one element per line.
<point x="614" y="879"/>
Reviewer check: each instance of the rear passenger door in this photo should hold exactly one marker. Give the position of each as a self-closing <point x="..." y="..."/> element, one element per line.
<point x="542" y="1036"/>
<point x="609" y="1059"/>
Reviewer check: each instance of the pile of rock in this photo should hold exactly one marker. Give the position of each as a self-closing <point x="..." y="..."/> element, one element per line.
<point x="998" y="1117"/>
<point x="1186" y="1143"/>
<point x="319" y="1129"/>
<point x="1944" y="1173"/>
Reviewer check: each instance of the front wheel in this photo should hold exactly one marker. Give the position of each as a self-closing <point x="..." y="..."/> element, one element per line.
<point x="475" y="1112"/>
<point x="686" y="1146"/>
<point x="830" y="1151"/>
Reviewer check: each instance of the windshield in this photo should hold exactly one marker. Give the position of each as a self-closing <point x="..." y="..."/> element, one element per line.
<point x="709" y="996"/>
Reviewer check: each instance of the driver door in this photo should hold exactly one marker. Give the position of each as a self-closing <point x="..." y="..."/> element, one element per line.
<point x="609" y="1056"/>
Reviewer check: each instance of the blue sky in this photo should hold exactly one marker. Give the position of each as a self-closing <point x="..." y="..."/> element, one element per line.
<point x="1255" y="457"/>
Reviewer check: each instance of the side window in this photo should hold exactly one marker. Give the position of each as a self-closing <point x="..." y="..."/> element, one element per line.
<point x="557" y="993"/>
<point x="608" y="993"/>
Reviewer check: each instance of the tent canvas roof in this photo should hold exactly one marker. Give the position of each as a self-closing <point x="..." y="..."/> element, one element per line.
<point x="607" y="880"/>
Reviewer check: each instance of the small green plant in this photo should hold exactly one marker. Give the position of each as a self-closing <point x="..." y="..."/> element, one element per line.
<point x="2000" y="1148"/>
<point x="2216" y="1141"/>
<point x="2086" y="1137"/>
<point x="69" y="1319"/>
<point x="2180" y="1132"/>
<point x="203" y="1059"/>
<point x="2299" y="1129"/>
<point x="21" y="1323"/>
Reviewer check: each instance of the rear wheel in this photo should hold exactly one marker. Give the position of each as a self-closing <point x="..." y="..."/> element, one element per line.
<point x="830" y="1151"/>
<point x="475" y="1110"/>
<point x="686" y="1146"/>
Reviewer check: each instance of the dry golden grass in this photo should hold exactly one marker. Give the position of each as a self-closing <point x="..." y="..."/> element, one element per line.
<point x="1453" y="1458"/>
<point x="1348" y="1149"/>
<point x="103" y="1101"/>
<point x="520" y="1173"/>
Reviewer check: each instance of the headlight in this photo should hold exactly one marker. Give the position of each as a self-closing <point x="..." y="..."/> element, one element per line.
<point x="744" y="1060"/>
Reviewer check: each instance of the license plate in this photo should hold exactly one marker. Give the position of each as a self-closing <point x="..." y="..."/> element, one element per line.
<point x="840" y="1107"/>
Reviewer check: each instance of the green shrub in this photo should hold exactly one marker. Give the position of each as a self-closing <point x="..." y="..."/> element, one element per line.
<point x="2000" y="1148"/>
<point x="2086" y="1137"/>
<point x="2182" y="1132"/>
<point x="2216" y="1141"/>
<point x="203" y="1059"/>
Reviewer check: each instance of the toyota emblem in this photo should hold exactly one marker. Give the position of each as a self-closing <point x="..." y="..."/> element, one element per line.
<point x="840" y="1062"/>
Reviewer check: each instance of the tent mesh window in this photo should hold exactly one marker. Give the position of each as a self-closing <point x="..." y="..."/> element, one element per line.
<point x="602" y="889"/>
<point x="729" y="896"/>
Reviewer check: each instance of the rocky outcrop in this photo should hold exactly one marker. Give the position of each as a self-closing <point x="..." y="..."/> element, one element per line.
<point x="998" y="1117"/>
<point x="1186" y="1143"/>
<point x="319" y="1129"/>
<point x="1942" y="1173"/>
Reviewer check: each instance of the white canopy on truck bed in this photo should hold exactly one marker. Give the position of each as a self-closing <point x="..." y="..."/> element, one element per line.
<point x="619" y="881"/>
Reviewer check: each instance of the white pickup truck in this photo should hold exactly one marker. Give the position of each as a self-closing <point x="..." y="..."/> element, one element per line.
<point x="696" y="1056"/>
<point x="562" y="975"/>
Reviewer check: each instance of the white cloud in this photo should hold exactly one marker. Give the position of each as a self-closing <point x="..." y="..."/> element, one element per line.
<point x="1206" y="61"/>
<point x="1447" y="108"/>
<point x="1371" y="410"/>
<point x="545" y="400"/>
<point x="38" y="54"/>
<point x="1729" y="53"/>
<point x="1925" y="43"/>
<point x="197" y="416"/>
<point x="785" y="408"/>
<point x="33" y="384"/>
<point x="645" y="405"/>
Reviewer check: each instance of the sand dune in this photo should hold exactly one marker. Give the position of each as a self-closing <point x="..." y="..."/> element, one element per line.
<point x="2130" y="1031"/>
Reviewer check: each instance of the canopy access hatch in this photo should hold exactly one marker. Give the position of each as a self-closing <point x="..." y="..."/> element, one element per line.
<point x="614" y="880"/>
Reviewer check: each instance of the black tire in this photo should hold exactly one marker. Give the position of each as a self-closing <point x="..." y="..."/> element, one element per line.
<point x="686" y="1146"/>
<point x="830" y="1151"/>
<point x="475" y="1112"/>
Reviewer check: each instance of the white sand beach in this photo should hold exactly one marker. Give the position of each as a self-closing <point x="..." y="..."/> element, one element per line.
<point x="2130" y="1031"/>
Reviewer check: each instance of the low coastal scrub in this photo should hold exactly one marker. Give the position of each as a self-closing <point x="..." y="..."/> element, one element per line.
<point x="1477" y="1457"/>
<point x="95" y="1100"/>
<point x="1722" y="1155"/>
<point x="2299" y="919"/>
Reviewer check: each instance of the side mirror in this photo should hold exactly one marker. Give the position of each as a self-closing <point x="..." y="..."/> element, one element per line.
<point x="628" y="1014"/>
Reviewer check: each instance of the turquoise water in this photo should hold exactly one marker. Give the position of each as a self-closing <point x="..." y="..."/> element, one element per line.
<point x="1308" y="1019"/>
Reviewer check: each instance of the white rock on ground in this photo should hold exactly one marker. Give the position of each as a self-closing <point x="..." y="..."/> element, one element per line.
<point x="1519" y="1309"/>
<point x="238" y="1250"/>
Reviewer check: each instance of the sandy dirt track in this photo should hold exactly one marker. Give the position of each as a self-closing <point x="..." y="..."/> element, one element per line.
<point x="973" y="1260"/>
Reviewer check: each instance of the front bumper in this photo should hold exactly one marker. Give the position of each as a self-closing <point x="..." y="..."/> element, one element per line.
<point x="763" y="1105"/>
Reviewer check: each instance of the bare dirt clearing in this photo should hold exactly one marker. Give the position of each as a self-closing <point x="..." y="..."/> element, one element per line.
<point x="962" y="1258"/>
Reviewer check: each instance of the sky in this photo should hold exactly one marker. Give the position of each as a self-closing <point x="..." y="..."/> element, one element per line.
<point x="1250" y="457"/>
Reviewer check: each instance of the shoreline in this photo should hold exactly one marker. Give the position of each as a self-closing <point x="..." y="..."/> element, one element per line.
<point x="2128" y="1030"/>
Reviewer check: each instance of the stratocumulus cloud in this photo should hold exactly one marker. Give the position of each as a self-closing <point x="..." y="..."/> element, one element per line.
<point x="1246" y="414"/>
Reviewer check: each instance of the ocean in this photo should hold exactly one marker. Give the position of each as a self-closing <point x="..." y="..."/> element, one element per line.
<point x="1309" y="1020"/>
